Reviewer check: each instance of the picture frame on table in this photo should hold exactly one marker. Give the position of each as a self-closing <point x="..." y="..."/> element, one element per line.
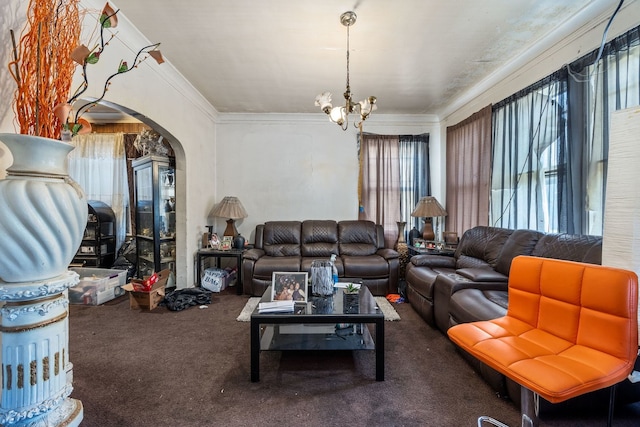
<point x="287" y="285"/>
<point x="214" y="241"/>
<point x="225" y="245"/>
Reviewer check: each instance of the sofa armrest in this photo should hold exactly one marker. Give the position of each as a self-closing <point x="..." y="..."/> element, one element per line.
<point x="387" y="253"/>
<point x="433" y="261"/>
<point x="482" y="275"/>
<point x="448" y="284"/>
<point x="253" y="254"/>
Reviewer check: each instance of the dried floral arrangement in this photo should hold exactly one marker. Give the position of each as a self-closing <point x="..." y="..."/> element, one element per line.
<point x="44" y="64"/>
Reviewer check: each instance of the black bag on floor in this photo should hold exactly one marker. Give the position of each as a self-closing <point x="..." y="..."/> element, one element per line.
<point x="185" y="298"/>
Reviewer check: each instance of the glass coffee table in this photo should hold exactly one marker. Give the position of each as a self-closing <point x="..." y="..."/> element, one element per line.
<point x="321" y="323"/>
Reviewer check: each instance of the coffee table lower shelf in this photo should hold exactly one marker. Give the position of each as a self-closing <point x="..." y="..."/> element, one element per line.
<point x="316" y="337"/>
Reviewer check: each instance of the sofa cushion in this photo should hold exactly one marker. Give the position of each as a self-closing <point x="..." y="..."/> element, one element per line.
<point x="357" y="238"/>
<point x="520" y="242"/>
<point x="319" y="238"/>
<point x="470" y="305"/>
<point x="482" y="243"/>
<point x="364" y="267"/>
<point x="282" y="238"/>
<point x="266" y="265"/>
<point x="570" y="247"/>
<point x="465" y="261"/>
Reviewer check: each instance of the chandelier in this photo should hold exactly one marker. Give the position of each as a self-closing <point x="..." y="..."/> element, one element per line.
<point x="340" y="114"/>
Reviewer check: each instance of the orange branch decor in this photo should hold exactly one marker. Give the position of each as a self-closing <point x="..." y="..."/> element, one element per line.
<point x="44" y="64"/>
<point x="44" y="69"/>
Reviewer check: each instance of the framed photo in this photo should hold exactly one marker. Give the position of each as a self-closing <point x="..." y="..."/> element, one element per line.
<point x="225" y="245"/>
<point x="289" y="285"/>
<point x="214" y="241"/>
<point x="229" y="238"/>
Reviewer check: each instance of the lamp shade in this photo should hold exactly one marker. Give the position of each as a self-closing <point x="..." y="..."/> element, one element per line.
<point x="428" y="207"/>
<point x="230" y="207"/>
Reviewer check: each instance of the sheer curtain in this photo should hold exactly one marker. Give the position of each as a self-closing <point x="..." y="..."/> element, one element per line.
<point x="380" y="186"/>
<point x="530" y="171"/>
<point x="596" y="90"/>
<point x="98" y="165"/>
<point x="468" y="172"/>
<point x="414" y="177"/>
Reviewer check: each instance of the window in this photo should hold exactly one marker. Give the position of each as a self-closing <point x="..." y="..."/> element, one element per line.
<point x="394" y="175"/>
<point x="550" y="142"/>
<point x="528" y="180"/>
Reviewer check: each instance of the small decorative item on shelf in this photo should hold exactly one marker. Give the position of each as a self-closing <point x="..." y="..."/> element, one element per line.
<point x="225" y="245"/>
<point x="351" y="299"/>
<point x="322" y="305"/>
<point x="214" y="241"/>
<point x="238" y="242"/>
<point x="413" y="235"/>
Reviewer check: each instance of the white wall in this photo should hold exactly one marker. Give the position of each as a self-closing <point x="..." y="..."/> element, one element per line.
<point x="297" y="167"/>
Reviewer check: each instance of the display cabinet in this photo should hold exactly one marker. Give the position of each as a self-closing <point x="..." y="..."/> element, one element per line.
<point x="154" y="179"/>
<point x="98" y="247"/>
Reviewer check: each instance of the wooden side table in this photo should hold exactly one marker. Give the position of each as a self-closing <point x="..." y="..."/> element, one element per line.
<point x="218" y="254"/>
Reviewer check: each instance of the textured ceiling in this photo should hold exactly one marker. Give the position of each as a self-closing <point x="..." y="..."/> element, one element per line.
<point x="275" y="56"/>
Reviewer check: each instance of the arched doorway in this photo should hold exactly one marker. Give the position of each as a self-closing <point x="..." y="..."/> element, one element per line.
<point x="109" y="113"/>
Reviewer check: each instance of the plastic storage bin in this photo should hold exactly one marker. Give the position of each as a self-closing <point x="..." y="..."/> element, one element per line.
<point x="97" y="285"/>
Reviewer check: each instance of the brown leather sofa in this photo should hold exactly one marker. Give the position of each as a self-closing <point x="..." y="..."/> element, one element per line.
<point x="294" y="245"/>
<point x="479" y="272"/>
<point x="473" y="285"/>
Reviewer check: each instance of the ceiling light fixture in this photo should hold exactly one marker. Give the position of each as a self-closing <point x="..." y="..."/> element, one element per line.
<point x="340" y="115"/>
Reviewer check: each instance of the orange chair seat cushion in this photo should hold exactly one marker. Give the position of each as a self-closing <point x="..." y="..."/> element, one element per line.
<point x="570" y="328"/>
<point x="555" y="369"/>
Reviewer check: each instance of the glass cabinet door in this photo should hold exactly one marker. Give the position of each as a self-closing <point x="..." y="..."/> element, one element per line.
<point x="155" y="204"/>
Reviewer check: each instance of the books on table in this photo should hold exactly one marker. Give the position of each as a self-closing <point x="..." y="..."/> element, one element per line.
<point x="284" y="306"/>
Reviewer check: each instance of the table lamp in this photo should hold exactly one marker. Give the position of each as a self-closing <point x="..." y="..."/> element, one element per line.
<point x="428" y="207"/>
<point x="230" y="207"/>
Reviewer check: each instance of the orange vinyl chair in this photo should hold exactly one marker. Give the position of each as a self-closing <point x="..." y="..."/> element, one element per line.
<point x="570" y="328"/>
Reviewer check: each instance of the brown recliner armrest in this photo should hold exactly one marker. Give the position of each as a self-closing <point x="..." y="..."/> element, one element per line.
<point x="387" y="253"/>
<point x="253" y="254"/>
<point x="482" y="275"/>
<point x="433" y="261"/>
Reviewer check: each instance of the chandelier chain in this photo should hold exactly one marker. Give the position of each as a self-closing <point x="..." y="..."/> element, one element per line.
<point x="338" y="114"/>
<point x="348" y="57"/>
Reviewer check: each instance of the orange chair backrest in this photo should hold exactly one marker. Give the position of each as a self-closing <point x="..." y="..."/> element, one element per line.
<point x="586" y="304"/>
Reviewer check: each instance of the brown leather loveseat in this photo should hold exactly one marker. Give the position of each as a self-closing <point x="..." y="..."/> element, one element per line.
<point x="294" y="245"/>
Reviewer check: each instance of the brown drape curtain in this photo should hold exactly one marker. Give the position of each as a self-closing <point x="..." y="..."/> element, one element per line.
<point x="469" y="172"/>
<point x="131" y="152"/>
<point x="381" y="183"/>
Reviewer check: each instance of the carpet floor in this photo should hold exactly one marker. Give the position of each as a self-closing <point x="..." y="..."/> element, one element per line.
<point x="192" y="368"/>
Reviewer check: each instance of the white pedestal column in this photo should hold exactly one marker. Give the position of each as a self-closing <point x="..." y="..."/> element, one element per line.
<point x="36" y="373"/>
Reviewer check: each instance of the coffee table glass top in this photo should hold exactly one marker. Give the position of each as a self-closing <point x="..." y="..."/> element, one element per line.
<point x="337" y="304"/>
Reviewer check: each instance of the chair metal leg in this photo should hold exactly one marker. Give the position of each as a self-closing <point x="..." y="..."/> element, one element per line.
<point x="489" y="420"/>
<point x="612" y="404"/>
<point x="529" y="407"/>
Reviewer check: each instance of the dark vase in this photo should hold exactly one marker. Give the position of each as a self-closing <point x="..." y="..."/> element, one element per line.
<point x="414" y="234"/>
<point x="351" y="303"/>
<point x="238" y="241"/>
